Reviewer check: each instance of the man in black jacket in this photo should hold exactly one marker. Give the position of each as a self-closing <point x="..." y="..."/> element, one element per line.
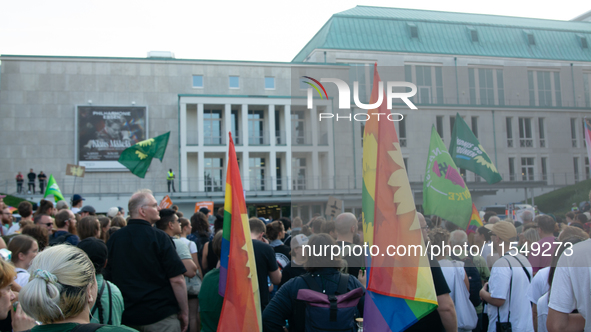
<point x="32" y="176"/>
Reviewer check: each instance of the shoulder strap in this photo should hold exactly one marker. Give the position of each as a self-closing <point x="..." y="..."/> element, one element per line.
<point x="99" y="296"/>
<point x="343" y="283"/>
<point x="509" y="298"/>
<point x="524" y="269"/>
<point x="110" y="322"/>
<point x="87" y="327"/>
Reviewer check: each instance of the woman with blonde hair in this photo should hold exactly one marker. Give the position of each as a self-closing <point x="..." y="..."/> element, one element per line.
<point x="24" y="248"/>
<point x="7" y="275"/>
<point x="62" y="290"/>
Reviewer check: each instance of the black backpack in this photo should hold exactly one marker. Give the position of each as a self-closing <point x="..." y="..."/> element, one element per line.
<point x="473" y="278"/>
<point x="55" y="240"/>
<point x="317" y="311"/>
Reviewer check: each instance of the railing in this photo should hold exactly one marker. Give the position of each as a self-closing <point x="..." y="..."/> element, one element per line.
<point x="280" y="137"/>
<point x="258" y="138"/>
<point x="526" y="142"/>
<point x="128" y="184"/>
<point x="301" y="137"/>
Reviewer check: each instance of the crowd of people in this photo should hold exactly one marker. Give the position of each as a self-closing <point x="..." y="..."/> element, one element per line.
<point x="69" y="269"/>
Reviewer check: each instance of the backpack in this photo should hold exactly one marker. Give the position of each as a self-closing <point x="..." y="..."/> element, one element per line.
<point x="473" y="278"/>
<point x="327" y="312"/>
<point x="55" y="240"/>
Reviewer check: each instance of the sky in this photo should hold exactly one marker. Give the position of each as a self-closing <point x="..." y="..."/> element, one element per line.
<point x="221" y="30"/>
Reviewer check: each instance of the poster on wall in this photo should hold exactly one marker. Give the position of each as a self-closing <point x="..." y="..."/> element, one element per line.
<point x="103" y="132"/>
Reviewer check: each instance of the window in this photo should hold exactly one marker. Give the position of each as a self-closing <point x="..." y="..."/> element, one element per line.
<point x="544" y="169"/>
<point x="583" y="40"/>
<point x="270" y="83"/>
<point x="256" y="132"/>
<point x="256" y="173"/>
<point x="402" y="132"/>
<point x="212" y="131"/>
<point x="362" y="73"/>
<point x="214" y="168"/>
<point x="475" y="125"/>
<point x="429" y="82"/>
<point x="298" y="125"/>
<point x="542" y="132"/>
<point x="235" y="127"/>
<point x="299" y="169"/>
<point x="362" y="132"/>
<point x="197" y="81"/>
<point x="234" y="82"/>
<point x="576" y="168"/>
<point x="473" y="34"/>
<point x="439" y="125"/>
<point x="405" y="164"/>
<point x="278" y="173"/>
<point x="452" y="121"/>
<point x="587" y="174"/>
<point x="573" y="132"/>
<point x="486" y="86"/>
<point x="525" y="133"/>
<point x="414" y="30"/>
<point x="511" y="169"/>
<point x="544" y="88"/>
<point x="527" y="169"/>
<point x="509" y="124"/>
<point x="531" y="41"/>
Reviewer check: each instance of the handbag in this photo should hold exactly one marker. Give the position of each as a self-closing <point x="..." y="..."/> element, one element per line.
<point x="465" y="311"/>
<point x="193" y="285"/>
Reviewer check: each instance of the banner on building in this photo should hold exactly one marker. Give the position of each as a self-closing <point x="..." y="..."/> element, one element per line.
<point x="103" y="132"/>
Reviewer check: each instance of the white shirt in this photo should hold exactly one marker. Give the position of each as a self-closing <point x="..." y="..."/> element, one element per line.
<point x="539" y="285"/>
<point x="75" y="210"/>
<point x="542" y="312"/>
<point x="15" y="227"/>
<point x="191" y="244"/>
<point x="486" y="249"/>
<point x="22" y="277"/>
<point x="570" y="286"/>
<point x="516" y="300"/>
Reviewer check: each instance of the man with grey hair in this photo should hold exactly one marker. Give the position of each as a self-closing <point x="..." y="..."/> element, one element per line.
<point x="346" y="227"/>
<point x="475" y="267"/>
<point x="493" y="220"/>
<point x="144" y="264"/>
<point x="527" y="217"/>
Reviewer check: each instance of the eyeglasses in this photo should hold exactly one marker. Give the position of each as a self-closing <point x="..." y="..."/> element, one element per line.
<point x="155" y="205"/>
<point x="47" y="223"/>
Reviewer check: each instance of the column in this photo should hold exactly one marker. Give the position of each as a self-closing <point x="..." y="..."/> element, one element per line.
<point x="273" y="170"/>
<point x="272" y="129"/>
<point x="227" y="124"/>
<point x="200" y="170"/>
<point x="200" y="128"/>
<point x="314" y="125"/>
<point x="315" y="171"/>
<point x="287" y="126"/>
<point x="182" y="172"/>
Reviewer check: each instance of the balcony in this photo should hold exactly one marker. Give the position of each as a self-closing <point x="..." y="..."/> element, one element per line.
<point x="526" y="142"/>
<point x="258" y="138"/>
<point x="301" y="138"/>
<point x="280" y="137"/>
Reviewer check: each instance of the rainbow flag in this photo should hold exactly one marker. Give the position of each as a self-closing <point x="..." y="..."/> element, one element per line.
<point x="400" y="288"/>
<point x="12" y="209"/>
<point x="239" y="285"/>
<point x="475" y="221"/>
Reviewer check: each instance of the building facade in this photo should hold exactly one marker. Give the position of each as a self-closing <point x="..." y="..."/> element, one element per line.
<point x="523" y="85"/>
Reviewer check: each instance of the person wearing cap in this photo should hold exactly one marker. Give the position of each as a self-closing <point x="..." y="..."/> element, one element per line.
<point x="77" y="203"/>
<point x="296" y="266"/>
<point x="506" y="290"/>
<point x="110" y="307"/>
<point x="87" y="210"/>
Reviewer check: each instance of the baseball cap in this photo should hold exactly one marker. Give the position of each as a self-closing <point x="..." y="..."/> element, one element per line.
<point x="112" y="213"/>
<point x="504" y="230"/>
<point x="61" y="205"/>
<point x="298" y="241"/>
<point x="204" y="210"/>
<point x="77" y="197"/>
<point x="96" y="250"/>
<point x="88" y="208"/>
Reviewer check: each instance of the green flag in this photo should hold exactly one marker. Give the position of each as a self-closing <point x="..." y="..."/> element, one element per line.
<point x="53" y="189"/>
<point x="137" y="158"/>
<point x="444" y="192"/>
<point x="467" y="152"/>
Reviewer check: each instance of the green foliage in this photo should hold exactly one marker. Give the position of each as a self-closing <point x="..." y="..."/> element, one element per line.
<point x="560" y="201"/>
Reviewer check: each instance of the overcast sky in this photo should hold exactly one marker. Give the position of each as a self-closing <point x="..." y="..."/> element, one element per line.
<point x="241" y="30"/>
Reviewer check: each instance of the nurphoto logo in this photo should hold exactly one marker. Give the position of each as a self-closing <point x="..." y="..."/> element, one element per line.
<point x="345" y="96"/>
